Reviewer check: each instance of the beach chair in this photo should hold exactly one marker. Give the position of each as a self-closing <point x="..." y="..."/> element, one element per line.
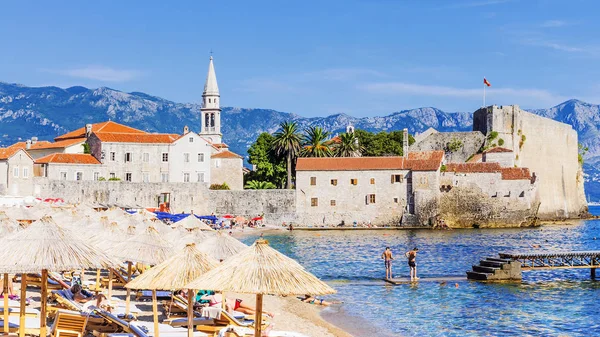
<point x="32" y="325"/>
<point x="119" y="279"/>
<point x="146" y="295"/>
<point x="35" y="280"/>
<point x="226" y="319"/>
<point x="122" y="326"/>
<point x="69" y="324"/>
<point x="29" y="312"/>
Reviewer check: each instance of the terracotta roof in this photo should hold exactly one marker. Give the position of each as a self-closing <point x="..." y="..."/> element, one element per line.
<point x="226" y="155"/>
<point x="221" y="145"/>
<point x="23" y="145"/>
<point x="416" y="161"/>
<point x="498" y="150"/>
<point x="47" y="145"/>
<point x="108" y="126"/>
<point x="114" y="137"/>
<point x="477" y="158"/>
<point x="68" y="158"/>
<point x="515" y="173"/>
<point x="473" y="167"/>
<point x="8" y="152"/>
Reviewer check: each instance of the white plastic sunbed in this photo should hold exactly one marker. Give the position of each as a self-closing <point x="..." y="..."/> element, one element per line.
<point x="167" y="330"/>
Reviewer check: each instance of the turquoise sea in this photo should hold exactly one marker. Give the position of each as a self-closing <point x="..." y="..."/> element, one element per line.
<point x="545" y="303"/>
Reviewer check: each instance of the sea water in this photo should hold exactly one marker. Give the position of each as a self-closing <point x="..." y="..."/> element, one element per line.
<point x="545" y="303"/>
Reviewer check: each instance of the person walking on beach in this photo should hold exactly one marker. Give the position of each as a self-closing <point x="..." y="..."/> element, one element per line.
<point x="411" y="255"/>
<point x="387" y="257"/>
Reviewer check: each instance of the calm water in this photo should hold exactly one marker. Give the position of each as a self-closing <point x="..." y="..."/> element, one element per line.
<point x="546" y="303"/>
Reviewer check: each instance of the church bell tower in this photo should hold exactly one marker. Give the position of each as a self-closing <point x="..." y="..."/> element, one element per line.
<point x="211" y="112"/>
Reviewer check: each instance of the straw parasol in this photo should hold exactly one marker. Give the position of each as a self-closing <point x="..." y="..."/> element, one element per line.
<point x="192" y="222"/>
<point x="175" y="273"/>
<point x="44" y="246"/>
<point x="260" y="270"/>
<point x="147" y="247"/>
<point x="221" y="246"/>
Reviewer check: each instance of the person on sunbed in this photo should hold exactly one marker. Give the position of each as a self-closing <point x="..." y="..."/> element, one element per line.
<point x="82" y="296"/>
<point x="317" y="300"/>
<point x="232" y="305"/>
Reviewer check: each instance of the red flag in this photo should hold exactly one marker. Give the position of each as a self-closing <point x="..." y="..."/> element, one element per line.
<point x="486" y="82"/>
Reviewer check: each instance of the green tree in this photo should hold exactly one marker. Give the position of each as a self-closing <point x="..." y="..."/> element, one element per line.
<point x="267" y="165"/>
<point x="287" y="143"/>
<point x="315" y="143"/>
<point x="259" y="185"/>
<point x="382" y="143"/>
<point x="348" y="145"/>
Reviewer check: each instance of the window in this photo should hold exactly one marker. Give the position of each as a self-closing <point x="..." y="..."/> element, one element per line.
<point x="146" y="157"/>
<point x="25" y="172"/>
<point x="332" y="202"/>
<point x="522" y="195"/>
<point x="313" y="181"/>
<point x="146" y="177"/>
<point x="165" y="157"/>
<point x="113" y="156"/>
<point x="96" y="176"/>
<point x="354" y="182"/>
<point x="334" y="182"/>
<point x="186" y="177"/>
<point x="372" y="181"/>
<point x="397" y="178"/>
<point x="164" y="177"/>
<point x="186" y="157"/>
<point x="201" y="157"/>
<point x="370" y="199"/>
<point x="16" y="172"/>
<point x="112" y="175"/>
<point x="218" y="163"/>
<point x="200" y="177"/>
<point x="423" y="180"/>
<point x="128" y="157"/>
<point x="127" y="176"/>
<point x="63" y="175"/>
<point x="191" y="139"/>
<point x="78" y="175"/>
<point x="395" y="200"/>
<point x="314" y="202"/>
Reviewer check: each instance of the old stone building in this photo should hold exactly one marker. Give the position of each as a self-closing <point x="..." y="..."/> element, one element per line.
<point x="16" y="172"/>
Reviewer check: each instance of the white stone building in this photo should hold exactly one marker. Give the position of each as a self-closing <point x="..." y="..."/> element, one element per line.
<point x="16" y="172"/>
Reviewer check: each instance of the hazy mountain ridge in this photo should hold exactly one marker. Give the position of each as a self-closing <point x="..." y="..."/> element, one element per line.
<point x="47" y="112"/>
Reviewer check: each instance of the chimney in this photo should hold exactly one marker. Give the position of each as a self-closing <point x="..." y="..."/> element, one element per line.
<point x="405" y="142"/>
<point x="88" y="130"/>
<point x="34" y="140"/>
<point x="186" y="130"/>
<point x="28" y="144"/>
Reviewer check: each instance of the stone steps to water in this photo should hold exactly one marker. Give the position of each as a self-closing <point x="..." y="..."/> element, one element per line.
<point x="497" y="259"/>
<point x="473" y="275"/>
<point x="493" y="268"/>
<point x="488" y="263"/>
<point x="484" y="269"/>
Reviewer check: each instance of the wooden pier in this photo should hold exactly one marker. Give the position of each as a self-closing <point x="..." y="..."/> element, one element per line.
<point x="509" y="265"/>
<point x="443" y="280"/>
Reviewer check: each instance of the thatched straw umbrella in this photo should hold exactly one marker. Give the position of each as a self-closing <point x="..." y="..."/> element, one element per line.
<point x="22" y="214"/>
<point x="221" y="246"/>
<point x="46" y="246"/>
<point x="192" y="222"/>
<point x="260" y="270"/>
<point x="175" y="273"/>
<point x="147" y="247"/>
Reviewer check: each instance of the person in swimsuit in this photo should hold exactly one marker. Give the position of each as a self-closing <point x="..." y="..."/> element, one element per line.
<point x="216" y="300"/>
<point x="412" y="263"/>
<point x="317" y="301"/>
<point x="387" y="257"/>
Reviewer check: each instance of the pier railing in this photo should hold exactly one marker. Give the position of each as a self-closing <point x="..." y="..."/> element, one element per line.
<point x="555" y="260"/>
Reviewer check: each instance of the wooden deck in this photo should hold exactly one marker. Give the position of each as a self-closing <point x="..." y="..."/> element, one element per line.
<point x="406" y="280"/>
<point x="555" y="260"/>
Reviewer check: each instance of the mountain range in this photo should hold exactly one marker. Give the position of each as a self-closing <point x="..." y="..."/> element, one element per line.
<point x="46" y="112"/>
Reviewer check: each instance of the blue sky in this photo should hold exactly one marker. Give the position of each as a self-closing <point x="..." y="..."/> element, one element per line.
<point x="314" y="58"/>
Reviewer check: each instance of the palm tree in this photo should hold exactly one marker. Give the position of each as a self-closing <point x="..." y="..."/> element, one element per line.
<point x="347" y="146"/>
<point x="287" y="142"/>
<point x="316" y="143"/>
<point x="259" y="185"/>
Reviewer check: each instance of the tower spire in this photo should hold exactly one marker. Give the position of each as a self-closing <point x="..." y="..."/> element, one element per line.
<point x="211" y="110"/>
<point x="211" y="87"/>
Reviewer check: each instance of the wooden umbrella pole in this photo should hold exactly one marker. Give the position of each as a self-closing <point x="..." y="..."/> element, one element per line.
<point x="5" y="294"/>
<point x="22" y="307"/>
<point x="190" y="312"/>
<point x="127" y="298"/>
<point x="110" y="283"/>
<point x="155" y="313"/>
<point x="43" y="302"/>
<point x="97" y="281"/>
<point x="258" y="318"/>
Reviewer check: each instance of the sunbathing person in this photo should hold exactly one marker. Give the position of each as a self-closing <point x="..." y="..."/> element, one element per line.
<point x="317" y="301"/>
<point x="82" y="296"/>
<point x="233" y="305"/>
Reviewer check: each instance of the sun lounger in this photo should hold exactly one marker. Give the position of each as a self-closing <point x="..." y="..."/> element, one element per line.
<point x="35" y="280"/>
<point x="142" y="295"/>
<point x="119" y="280"/>
<point x="69" y="324"/>
<point x="29" y="312"/>
<point x="166" y="330"/>
<point x="123" y="326"/>
<point x="32" y="325"/>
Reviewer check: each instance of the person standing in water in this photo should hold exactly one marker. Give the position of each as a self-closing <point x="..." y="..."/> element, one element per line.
<point x="411" y="255"/>
<point x="387" y="257"/>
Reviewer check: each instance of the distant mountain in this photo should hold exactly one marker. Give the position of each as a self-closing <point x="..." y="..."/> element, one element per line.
<point x="47" y="112"/>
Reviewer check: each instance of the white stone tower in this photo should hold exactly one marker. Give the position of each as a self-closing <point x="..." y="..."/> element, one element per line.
<point x="211" y="112"/>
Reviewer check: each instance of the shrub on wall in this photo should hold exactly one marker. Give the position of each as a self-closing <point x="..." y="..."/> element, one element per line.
<point x="101" y="179"/>
<point x="114" y="179"/>
<point x="492" y="135"/>
<point x="222" y="186"/>
<point x="500" y="142"/>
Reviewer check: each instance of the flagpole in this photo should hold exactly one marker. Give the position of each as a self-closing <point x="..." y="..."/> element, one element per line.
<point x="484" y="94"/>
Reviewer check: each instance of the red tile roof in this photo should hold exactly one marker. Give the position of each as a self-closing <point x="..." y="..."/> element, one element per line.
<point x="220" y="145"/>
<point x="8" y="152"/>
<point x="114" y="137"/>
<point x="498" y="150"/>
<point x="416" y="161"/>
<point x="47" y="145"/>
<point x="68" y="158"/>
<point x="515" y="173"/>
<point x="108" y="126"/>
<point x="477" y="158"/>
<point x="226" y="155"/>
